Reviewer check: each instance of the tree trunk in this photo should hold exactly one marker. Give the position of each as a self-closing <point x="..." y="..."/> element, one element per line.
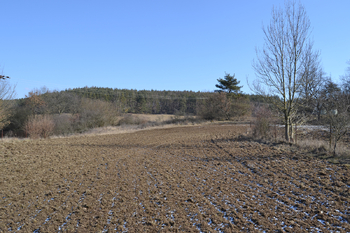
<point x="286" y="128"/>
<point x="330" y="136"/>
<point x="291" y="138"/>
<point x="335" y="145"/>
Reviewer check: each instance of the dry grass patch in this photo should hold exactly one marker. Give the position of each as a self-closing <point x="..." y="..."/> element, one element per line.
<point x="136" y="119"/>
<point x="321" y="149"/>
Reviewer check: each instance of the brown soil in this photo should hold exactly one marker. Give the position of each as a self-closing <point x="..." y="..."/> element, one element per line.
<point x="200" y="178"/>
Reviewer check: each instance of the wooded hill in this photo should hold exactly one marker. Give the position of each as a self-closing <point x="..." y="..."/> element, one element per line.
<point x="80" y="109"/>
<point x="144" y="101"/>
<point x="132" y="101"/>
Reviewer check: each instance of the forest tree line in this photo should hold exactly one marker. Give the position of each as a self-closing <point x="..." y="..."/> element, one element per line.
<point x="127" y="101"/>
<point x="79" y="109"/>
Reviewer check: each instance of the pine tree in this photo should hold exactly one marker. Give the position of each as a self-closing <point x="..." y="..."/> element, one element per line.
<point x="229" y="84"/>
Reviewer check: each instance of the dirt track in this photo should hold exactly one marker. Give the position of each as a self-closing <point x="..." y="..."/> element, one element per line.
<point x="200" y="178"/>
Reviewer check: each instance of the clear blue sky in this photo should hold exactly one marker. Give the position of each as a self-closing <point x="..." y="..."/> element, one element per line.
<point x="156" y="44"/>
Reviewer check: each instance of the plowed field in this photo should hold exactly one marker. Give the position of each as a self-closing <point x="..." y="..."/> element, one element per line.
<point x="192" y="179"/>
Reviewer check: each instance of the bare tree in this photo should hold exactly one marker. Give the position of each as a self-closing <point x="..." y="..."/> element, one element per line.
<point x="337" y="105"/>
<point x="346" y="80"/>
<point x="312" y="84"/>
<point x="7" y="92"/>
<point x="283" y="64"/>
<point x="59" y="102"/>
<point x="310" y="97"/>
<point x="35" y="102"/>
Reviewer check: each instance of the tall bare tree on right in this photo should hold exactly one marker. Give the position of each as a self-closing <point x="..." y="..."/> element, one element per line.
<point x="283" y="65"/>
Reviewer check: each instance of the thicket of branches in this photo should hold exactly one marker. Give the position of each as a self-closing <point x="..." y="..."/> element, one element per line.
<point x="223" y="106"/>
<point x="43" y="113"/>
<point x="7" y="93"/>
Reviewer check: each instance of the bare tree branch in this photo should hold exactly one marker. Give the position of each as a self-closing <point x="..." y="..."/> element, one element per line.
<point x="7" y="93"/>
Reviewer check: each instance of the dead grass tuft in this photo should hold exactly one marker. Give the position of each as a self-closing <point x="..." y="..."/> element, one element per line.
<point x="320" y="148"/>
<point x="313" y="145"/>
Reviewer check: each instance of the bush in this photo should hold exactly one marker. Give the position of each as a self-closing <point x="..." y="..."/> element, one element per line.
<point x="63" y="124"/>
<point x="262" y="123"/>
<point x="241" y="107"/>
<point x="95" y="113"/>
<point x="40" y="126"/>
<point x="216" y="107"/>
<point x="222" y="106"/>
<point x="19" y="118"/>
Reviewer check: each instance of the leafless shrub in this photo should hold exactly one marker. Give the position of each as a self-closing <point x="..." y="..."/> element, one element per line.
<point x="262" y="124"/>
<point x="33" y="127"/>
<point x="318" y="146"/>
<point x="7" y="92"/>
<point x="95" y="113"/>
<point x="222" y="106"/>
<point x="40" y="126"/>
<point x="216" y="107"/>
<point x="321" y="147"/>
<point x="337" y="105"/>
<point x="241" y="108"/>
<point x="47" y="126"/>
<point x="343" y="151"/>
<point x="63" y="124"/>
